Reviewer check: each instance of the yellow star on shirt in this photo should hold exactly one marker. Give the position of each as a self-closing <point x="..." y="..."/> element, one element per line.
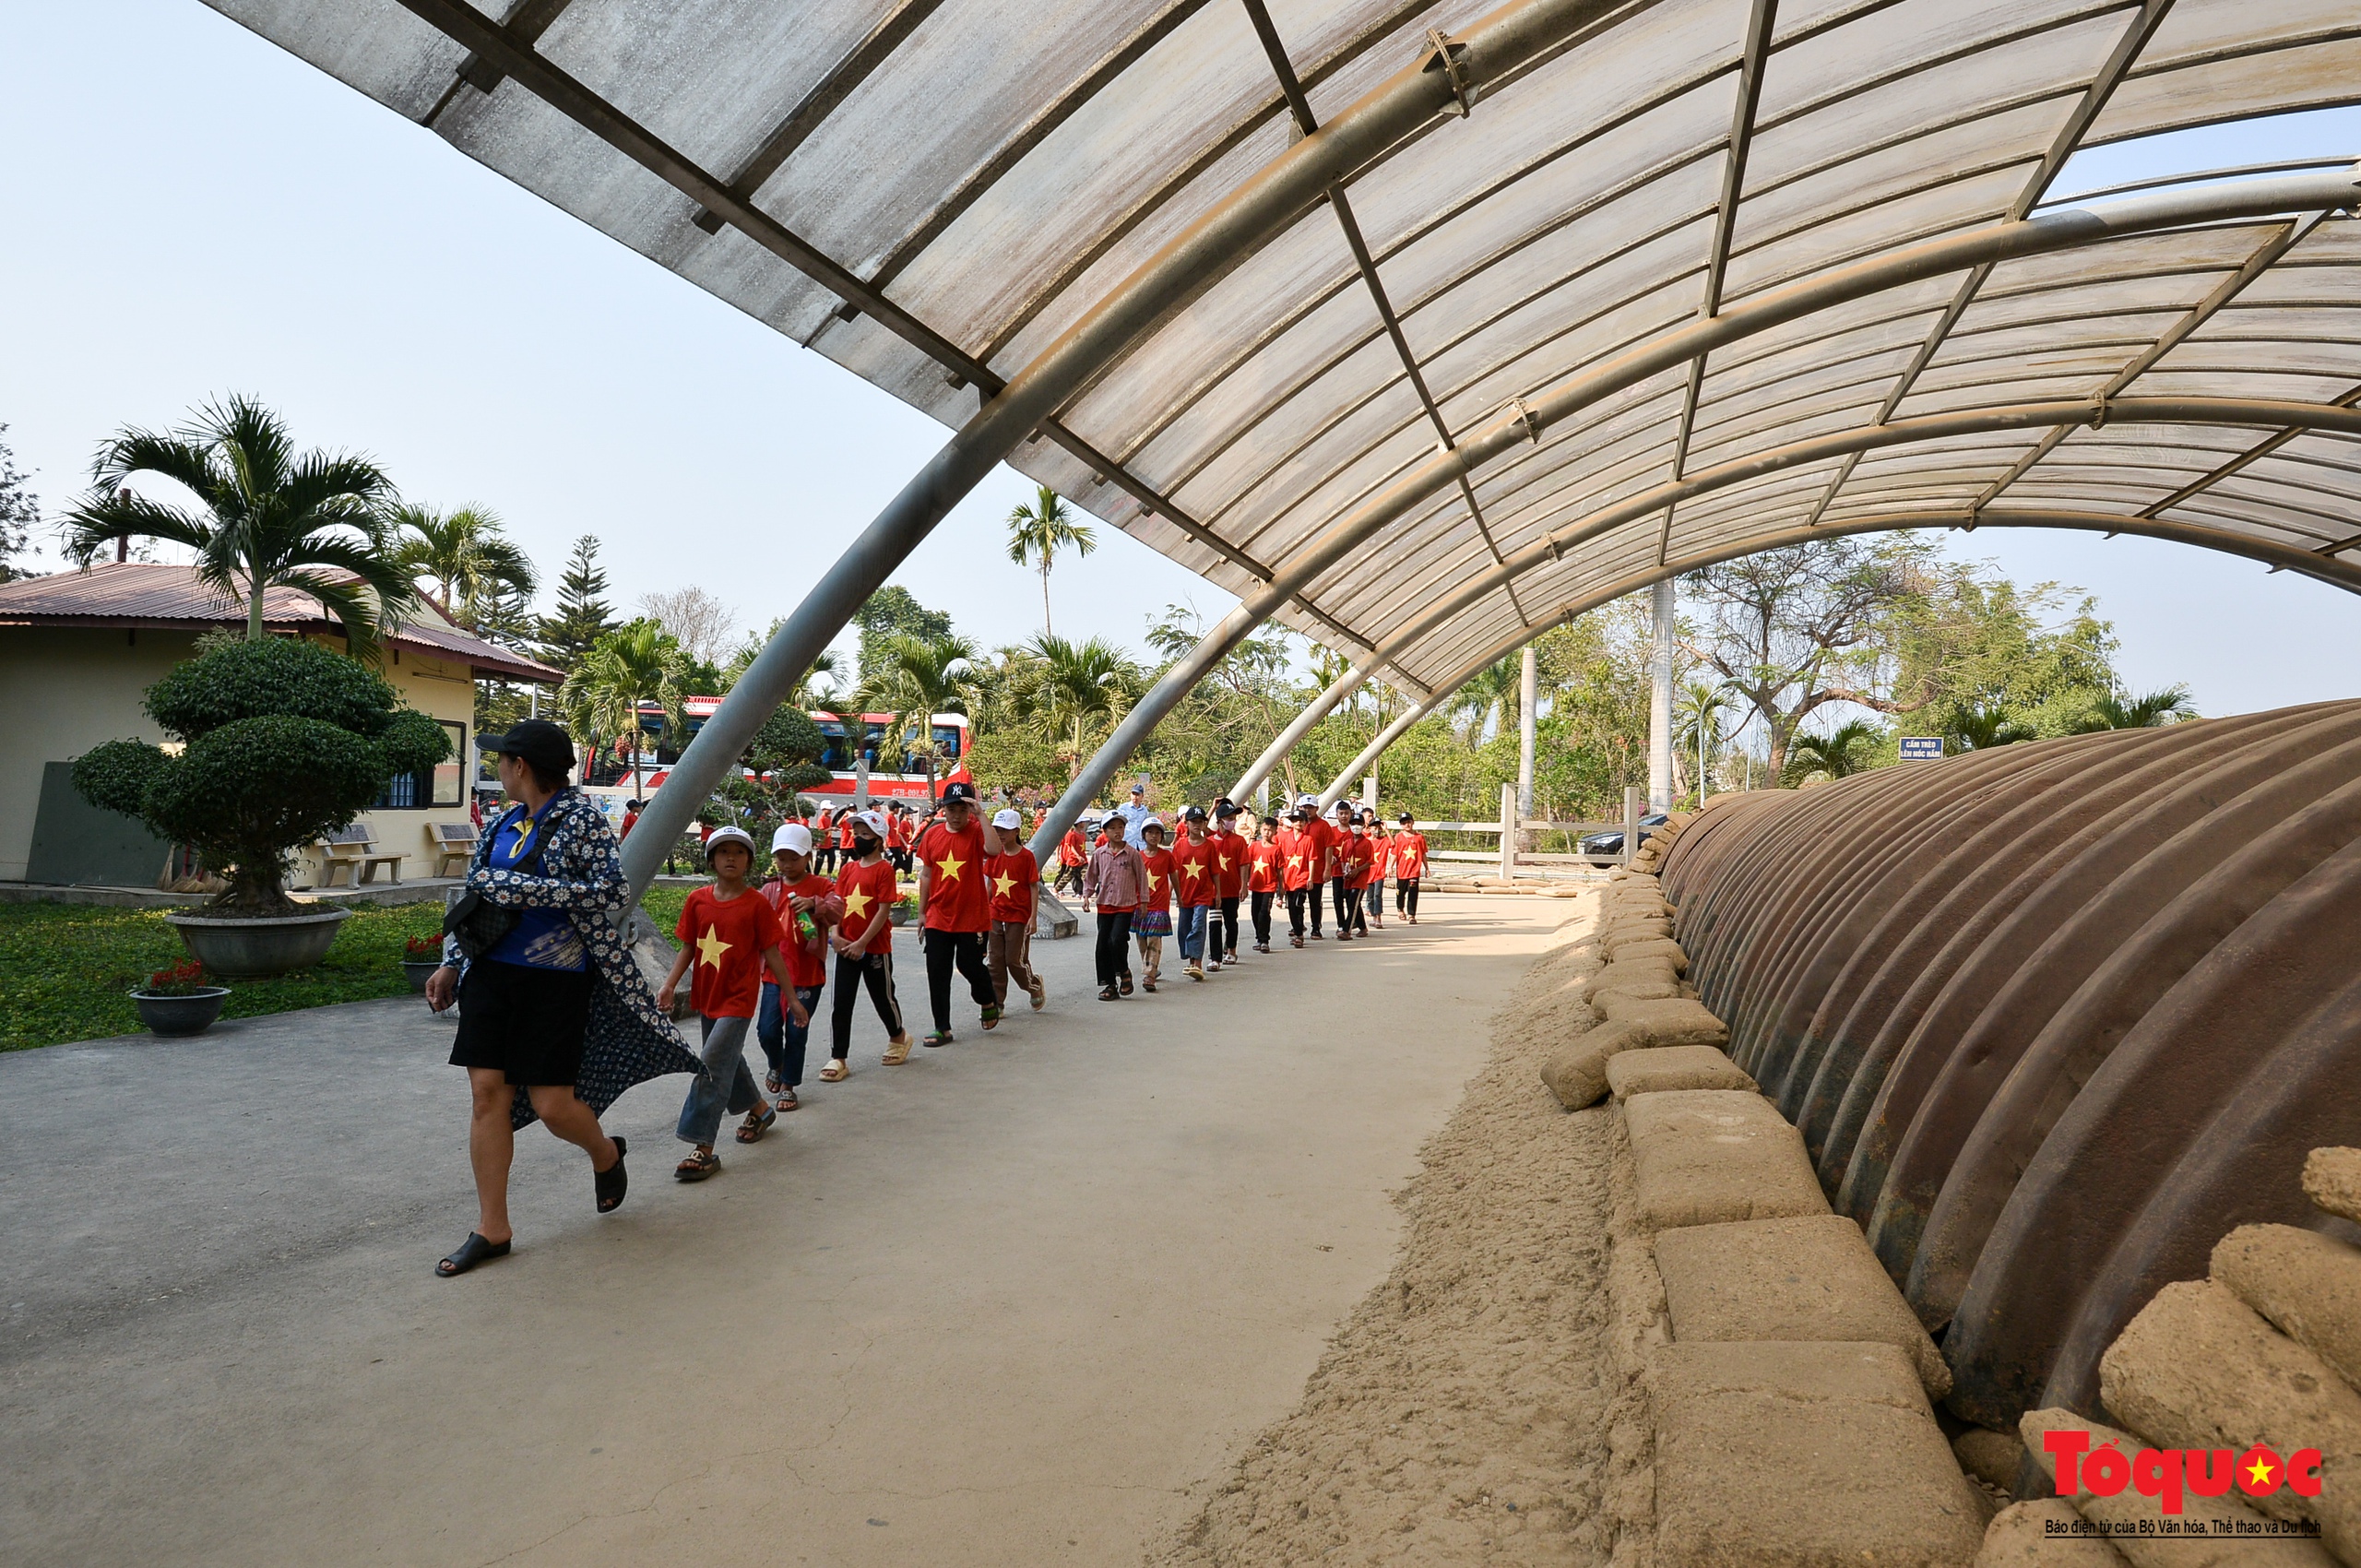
<point x="1295" y="862"/>
<point x="1192" y="868"/>
<point x="1225" y="862"/>
<point x="856" y="905"/>
<point x="711" y="947"/>
<point x="949" y="870"/>
<point x="2260" y="1472"/>
<point x="1003" y="885"/>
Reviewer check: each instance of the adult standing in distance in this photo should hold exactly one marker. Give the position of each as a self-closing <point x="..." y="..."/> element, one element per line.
<point x="1134" y="815"/>
<point x="955" y="909"/>
<point x="558" y="1021"/>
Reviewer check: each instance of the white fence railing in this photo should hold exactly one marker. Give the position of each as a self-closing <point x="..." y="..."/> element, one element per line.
<point x="1515" y="832"/>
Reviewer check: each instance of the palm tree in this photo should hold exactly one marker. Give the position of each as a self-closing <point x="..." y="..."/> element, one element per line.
<point x="268" y="517"/>
<point x="1844" y="750"/>
<point x="1497" y="689"/>
<point x="1976" y="727"/>
<point x="1041" y="530"/>
<point x="464" y="555"/>
<point x="1698" y="714"/>
<point x="2114" y="711"/>
<point x="915" y="678"/>
<point x="1081" y="689"/>
<point x="640" y="663"/>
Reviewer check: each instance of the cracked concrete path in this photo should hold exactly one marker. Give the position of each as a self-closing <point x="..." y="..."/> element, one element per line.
<point x="1019" y="1302"/>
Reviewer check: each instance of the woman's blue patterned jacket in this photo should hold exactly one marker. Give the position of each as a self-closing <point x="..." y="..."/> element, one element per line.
<point x="629" y="1040"/>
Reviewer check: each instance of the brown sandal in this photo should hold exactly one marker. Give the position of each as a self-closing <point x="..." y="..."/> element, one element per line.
<point x="700" y="1164"/>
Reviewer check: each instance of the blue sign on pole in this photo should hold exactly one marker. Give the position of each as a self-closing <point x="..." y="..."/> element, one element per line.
<point x="1921" y="748"/>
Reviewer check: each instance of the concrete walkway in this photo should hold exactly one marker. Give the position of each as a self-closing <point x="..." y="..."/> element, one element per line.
<point x="1006" y="1304"/>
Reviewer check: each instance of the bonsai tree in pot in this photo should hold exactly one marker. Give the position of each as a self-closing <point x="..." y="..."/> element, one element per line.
<point x="283" y="741"/>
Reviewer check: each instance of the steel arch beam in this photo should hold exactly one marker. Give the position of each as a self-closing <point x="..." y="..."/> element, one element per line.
<point x="2278" y="557"/>
<point x="1524" y="419"/>
<point x="1316" y="710"/>
<point x="1192" y="262"/>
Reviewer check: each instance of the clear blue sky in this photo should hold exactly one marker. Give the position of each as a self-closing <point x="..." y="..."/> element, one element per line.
<point x="189" y="212"/>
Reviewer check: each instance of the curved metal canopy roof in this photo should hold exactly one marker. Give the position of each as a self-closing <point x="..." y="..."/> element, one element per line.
<point x="938" y="196"/>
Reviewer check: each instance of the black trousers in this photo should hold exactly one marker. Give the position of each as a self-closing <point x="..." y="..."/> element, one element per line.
<point x="1297" y="898"/>
<point x="1348" y="904"/>
<point x="964" y="950"/>
<point x="1261" y="904"/>
<point x="1230" y="925"/>
<point x="1214" y="947"/>
<point x="1114" y="946"/>
<point x="1405" y="896"/>
<point x="874" y="971"/>
<point x="823" y="857"/>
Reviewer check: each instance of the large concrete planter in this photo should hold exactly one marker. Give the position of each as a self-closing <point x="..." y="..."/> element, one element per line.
<point x="251" y="945"/>
<point x="188" y="1014"/>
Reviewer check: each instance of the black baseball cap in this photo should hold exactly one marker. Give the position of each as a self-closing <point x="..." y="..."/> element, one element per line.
<point x="958" y="790"/>
<point x="536" y="741"/>
<point x="1407" y="818"/>
<point x="1194" y="813"/>
<point x="1225" y="807"/>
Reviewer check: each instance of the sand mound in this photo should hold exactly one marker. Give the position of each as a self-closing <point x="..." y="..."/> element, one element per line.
<point x="1461" y="1415"/>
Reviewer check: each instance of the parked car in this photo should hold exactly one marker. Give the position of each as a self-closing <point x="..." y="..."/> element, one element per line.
<point x="1608" y="848"/>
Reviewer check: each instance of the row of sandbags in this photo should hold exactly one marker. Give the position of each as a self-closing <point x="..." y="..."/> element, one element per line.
<point x="2052" y="1019"/>
<point x="1788" y="1387"/>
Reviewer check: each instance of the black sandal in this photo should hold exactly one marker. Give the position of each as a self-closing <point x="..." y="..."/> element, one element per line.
<point x="472" y="1251"/>
<point x="611" y="1183"/>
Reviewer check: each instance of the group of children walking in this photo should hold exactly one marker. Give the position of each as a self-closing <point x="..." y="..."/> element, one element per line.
<point x="1133" y="869"/>
<point x="757" y="955"/>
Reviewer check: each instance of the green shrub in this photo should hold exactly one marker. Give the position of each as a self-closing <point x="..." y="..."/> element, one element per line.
<point x="283" y="741"/>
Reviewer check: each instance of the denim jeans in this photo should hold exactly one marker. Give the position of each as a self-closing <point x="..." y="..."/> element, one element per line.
<point x="1193" y="932"/>
<point x="726" y="1078"/>
<point x="783" y="1039"/>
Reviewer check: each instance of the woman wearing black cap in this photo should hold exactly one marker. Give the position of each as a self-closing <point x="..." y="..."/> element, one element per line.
<point x="558" y="1021"/>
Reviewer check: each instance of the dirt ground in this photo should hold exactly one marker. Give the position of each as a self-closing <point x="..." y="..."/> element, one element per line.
<point x="1463" y="1413"/>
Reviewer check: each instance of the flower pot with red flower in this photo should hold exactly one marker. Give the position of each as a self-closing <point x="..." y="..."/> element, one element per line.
<point x="179" y="1001"/>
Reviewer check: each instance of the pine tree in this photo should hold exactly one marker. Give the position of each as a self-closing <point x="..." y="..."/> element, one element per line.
<point x="583" y="616"/>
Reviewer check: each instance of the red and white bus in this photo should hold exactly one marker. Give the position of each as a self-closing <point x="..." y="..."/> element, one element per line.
<point x="878" y="738"/>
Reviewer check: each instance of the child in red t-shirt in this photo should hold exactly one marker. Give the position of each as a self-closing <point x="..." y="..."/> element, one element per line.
<point x="730" y="934"/>
<point x="863" y="942"/>
<point x="1266" y="864"/>
<point x="806" y="905"/>
<point x="1013" y="879"/>
<point x="1152" y="921"/>
<point x="1409" y="865"/>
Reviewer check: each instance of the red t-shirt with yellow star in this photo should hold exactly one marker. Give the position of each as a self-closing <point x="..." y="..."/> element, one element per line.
<point x="1229" y="863"/>
<point x="1266" y="866"/>
<point x="1193" y="873"/>
<point x="1012" y="877"/>
<point x="1160" y="880"/>
<point x="728" y="937"/>
<point x="869" y="892"/>
<point x="1299" y="857"/>
<point x="956" y="899"/>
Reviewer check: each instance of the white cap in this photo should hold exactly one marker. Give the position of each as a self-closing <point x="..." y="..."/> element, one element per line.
<point x="792" y="836"/>
<point x="876" y="821"/>
<point x="728" y="835"/>
<point x="1006" y="817"/>
<point x="1152" y="821"/>
<point x="1307" y="800"/>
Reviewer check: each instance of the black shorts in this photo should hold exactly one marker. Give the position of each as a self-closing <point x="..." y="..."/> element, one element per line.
<point x="524" y="1022"/>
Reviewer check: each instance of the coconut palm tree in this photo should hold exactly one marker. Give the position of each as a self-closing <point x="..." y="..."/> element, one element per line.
<point x="1082" y="690"/>
<point x="915" y="678"/>
<point x="640" y="663"/>
<point x="267" y="517"/>
<point x="2115" y="711"/>
<point x="1040" y="531"/>
<point x="463" y="557"/>
<point x="1697" y="720"/>
<point x="1494" y="690"/>
<point x="1844" y="750"/>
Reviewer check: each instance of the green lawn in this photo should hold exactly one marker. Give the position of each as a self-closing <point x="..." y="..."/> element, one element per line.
<point x="65" y="968"/>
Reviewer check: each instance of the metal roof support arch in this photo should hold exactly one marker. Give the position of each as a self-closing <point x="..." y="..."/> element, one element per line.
<point x="2278" y="557"/>
<point x="1316" y="710"/>
<point x="1192" y="262"/>
<point x="1296" y="573"/>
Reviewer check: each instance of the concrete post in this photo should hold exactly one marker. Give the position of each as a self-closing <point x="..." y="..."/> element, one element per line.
<point x="1369" y="789"/>
<point x="1661" y="604"/>
<point x="1631" y="822"/>
<point x="1528" y="686"/>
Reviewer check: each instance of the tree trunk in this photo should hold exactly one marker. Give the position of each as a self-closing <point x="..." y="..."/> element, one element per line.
<point x="254" y="608"/>
<point x="1044" y="593"/>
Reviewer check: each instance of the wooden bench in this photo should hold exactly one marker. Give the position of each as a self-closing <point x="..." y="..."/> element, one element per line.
<point x="355" y="849"/>
<point x="454" y="842"/>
